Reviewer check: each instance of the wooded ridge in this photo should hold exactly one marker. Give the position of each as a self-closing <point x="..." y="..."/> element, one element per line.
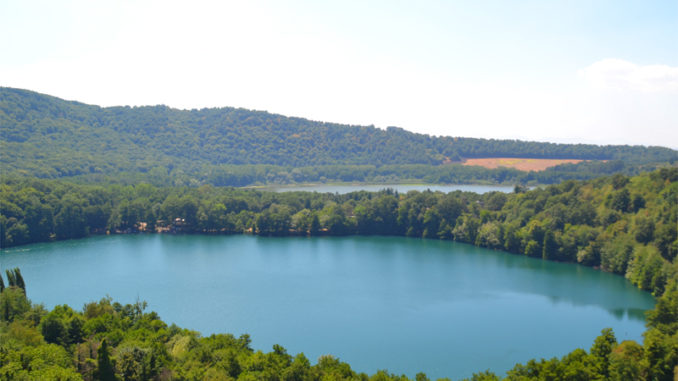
<point x="48" y="137"/>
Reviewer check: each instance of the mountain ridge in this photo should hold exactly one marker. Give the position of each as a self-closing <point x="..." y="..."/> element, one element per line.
<point x="50" y="137"/>
<point x="315" y="121"/>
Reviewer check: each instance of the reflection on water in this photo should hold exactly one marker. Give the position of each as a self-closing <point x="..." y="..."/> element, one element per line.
<point x="631" y="313"/>
<point x="559" y="282"/>
<point x="377" y="302"/>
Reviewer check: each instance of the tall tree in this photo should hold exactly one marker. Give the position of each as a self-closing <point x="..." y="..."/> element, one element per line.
<point x="11" y="278"/>
<point x="105" y="369"/>
<point x="19" y="280"/>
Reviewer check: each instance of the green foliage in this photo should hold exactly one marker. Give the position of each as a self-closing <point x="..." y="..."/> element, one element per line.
<point x="134" y="345"/>
<point x="549" y="247"/>
<point x="483" y="376"/>
<point x="13" y="304"/>
<point x="626" y="362"/>
<point x="664" y="317"/>
<point x="576" y="221"/>
<point x="602" y="349"/>
<point x="236" y="147"/>
<point x="53" y="329"/>
<point x="105" y="369"/>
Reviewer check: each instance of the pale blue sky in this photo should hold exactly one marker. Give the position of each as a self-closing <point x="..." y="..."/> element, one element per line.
<point x="566" y="71"/>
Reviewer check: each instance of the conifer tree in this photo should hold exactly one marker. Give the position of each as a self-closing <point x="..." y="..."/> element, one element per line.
<point x="314" y="227"/>
<point x="105" y="370"/>
<point x="19" y="279"/>
<point x="11" y="279"/>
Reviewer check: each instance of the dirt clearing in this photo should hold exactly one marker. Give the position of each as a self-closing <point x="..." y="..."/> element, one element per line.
<point x="523" y="164"/>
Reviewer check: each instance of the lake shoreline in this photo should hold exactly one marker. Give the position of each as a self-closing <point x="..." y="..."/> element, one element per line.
<point x="300" y="234"/>
<point x="321" y="295"/>
<point x="400" y="187"/>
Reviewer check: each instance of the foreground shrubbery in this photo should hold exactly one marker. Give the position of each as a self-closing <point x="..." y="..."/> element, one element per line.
<point x="111" y="341"/>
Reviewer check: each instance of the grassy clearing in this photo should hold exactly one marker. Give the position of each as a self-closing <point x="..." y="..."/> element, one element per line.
<point x="523" y="164"/>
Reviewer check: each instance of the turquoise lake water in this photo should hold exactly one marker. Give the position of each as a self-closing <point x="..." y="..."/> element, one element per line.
<point x="406" y="305"/>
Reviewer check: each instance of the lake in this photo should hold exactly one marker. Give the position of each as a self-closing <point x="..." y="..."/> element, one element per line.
<point x="402" y="304"/>
<point x="401" y="188"/>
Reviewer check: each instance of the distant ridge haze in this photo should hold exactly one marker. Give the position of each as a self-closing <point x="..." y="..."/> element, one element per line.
<point x="50" y="137"/>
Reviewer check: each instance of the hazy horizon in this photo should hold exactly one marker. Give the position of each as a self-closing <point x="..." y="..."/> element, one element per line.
<point x="563" y="72"/>
<point x="362" y="125"/>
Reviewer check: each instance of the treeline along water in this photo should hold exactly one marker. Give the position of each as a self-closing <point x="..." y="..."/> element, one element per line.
<point x="619" y="224"/>
<point x="403" y="304"/>
<point x="400" y="188"/>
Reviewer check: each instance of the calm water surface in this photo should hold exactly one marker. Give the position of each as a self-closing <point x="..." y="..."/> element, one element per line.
<point x="406" y="305"/>
<point x="401" y="188"/>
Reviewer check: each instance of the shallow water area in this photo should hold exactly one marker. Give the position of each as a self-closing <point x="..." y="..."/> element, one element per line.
<point x="406" y="305"/>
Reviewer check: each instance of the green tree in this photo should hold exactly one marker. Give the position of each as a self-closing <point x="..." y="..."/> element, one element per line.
<point x="601" y="350"/>
<point x="53" y="329"/>
<point x="19" y="280"/>
<point x="661" y="354"/>
<point x="620" y="200"/>
<point x="314" y="227"/>
<point x="137" y="364"/>
<point x="626" y="362"/>
<point x="644" y="229"/>
<point x="40" y="220"/>
<point x="75" y="330"/>
<point x="550" y="247"/>
<point x="13" y="304"/>
<point x="664" y="316"/>
<point x="70" y="221"/>
<point x="105" y="367"/>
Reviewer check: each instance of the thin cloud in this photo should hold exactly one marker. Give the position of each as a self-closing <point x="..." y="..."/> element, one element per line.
<point x="617" y="74"/>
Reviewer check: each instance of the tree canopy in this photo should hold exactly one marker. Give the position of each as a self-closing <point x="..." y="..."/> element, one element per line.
<point x="625" y="225"/>
<point x="52" y="138"/>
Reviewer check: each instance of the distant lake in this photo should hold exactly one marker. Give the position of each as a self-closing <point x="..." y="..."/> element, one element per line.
<point x="402" y="304"/>
<point x="400" y="188"/>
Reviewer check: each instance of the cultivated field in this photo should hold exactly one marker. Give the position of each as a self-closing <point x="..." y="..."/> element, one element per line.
<point x="522" y="164"/>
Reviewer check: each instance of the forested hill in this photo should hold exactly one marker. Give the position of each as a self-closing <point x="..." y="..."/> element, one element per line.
<point x="49" y="137"/>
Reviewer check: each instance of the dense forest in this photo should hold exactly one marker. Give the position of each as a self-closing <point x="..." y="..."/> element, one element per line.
<point x="52" y="138"/>
<point x="625" y="225"/>
<point x="70" y="170"/>
<point x="110" y="341"/>
<point x="256" y="174"/>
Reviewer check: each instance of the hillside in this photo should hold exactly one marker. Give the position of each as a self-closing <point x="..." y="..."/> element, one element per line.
<point x="49" y="137"/>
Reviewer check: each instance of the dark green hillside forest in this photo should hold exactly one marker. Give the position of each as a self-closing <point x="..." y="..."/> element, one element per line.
<point x="48" y="137"/>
